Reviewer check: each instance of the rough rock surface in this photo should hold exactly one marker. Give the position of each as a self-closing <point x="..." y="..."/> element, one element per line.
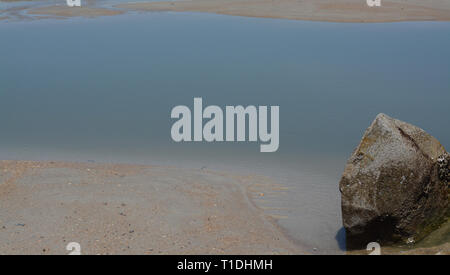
<point x="394" y="188"/>
<point x="444" y="168"/>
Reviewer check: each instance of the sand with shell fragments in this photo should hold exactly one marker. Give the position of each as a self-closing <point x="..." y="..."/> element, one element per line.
<point x="130" y="209"/>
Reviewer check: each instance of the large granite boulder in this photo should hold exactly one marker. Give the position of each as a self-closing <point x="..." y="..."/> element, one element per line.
<point x="395" y="186"/>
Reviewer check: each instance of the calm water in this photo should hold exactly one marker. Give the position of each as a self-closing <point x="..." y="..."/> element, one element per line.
<point x="102" y="89"/>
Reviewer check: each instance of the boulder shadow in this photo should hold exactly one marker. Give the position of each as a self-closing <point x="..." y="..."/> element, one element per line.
<point x="341" y="239"/>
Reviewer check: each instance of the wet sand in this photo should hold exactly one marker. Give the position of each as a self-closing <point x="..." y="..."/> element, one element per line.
<point x="136" y="209"/>
<point x="311" y="10"/>
<point x="314" y="10"/>
<point x="65" y="11"/>
<point x="131" y="209"/>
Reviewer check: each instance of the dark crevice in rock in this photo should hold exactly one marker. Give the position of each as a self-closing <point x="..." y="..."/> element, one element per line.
<point x="413" y="142"/>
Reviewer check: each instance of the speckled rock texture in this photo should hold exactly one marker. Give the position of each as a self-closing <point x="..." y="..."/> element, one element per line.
<point x="395" y="185"/>
<point x="444" y="168"/>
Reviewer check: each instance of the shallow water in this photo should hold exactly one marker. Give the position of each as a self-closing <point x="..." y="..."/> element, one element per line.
<point x="102" y="89"/>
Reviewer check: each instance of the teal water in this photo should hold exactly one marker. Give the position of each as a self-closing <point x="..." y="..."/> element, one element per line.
<point x="102" y="89"/>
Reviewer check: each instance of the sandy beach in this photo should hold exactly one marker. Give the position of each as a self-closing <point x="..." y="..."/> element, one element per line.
<point x="65" y="11"/>
<point x="131" y="209"/>
<point x="30" y="10"/>
<point x="102" y="90"/>
<point x="317" y="10"/>
<point x="136" y="209"/>
<point x="310" y="10"/>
